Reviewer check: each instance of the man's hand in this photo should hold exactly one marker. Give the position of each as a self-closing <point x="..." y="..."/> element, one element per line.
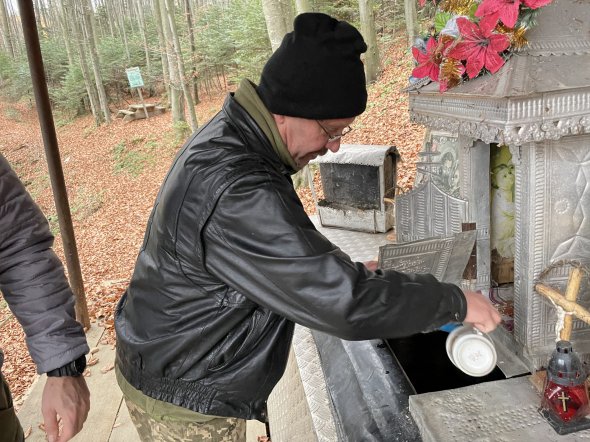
<point x="480" y="312"/>
<point x="69" y="398"/>
<point x="371" y="265"/>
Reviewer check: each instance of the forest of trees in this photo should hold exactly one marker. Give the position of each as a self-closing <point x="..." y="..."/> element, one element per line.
<point x="184" y="48"/>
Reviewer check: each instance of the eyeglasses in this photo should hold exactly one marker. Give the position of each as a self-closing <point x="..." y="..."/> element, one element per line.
<point x="332" y="138"/>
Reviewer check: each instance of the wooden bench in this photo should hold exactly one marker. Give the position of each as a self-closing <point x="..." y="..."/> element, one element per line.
<point x="123" y="113"/>
<point x="136" y="111"/>
<point x="148" y="106"/>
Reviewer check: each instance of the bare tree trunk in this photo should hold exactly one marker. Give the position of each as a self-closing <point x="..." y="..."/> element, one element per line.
<point x="277" y="24"/>
<point x="411" y="20"/>
<point x="207" y="85"/>
<point x="110" y="16"/>
<point x="52" y="16"/>
<point x="65" y="35"/>
<point x="121" y="16"/>
<point x="77" y="33"/>
<point x="162" y="44"/>
<point x="191" y="36"/>
<point x="16" y="31"/>
<point x="303" y="6"/>
<point x="288" y="14"/>
<point x="146" y="48"/>
<point x="99" y="26"/>
<point x="128" y="6"/>
<point x="37" y="10"/>
<point x="44" y="13"/>
<point x="372" y="61"/>
<point x="176" y="102"/>
<point x="114" y="17"/>
<point x="94" y="61"/>
<point x="5" y="29"/>
<point x="92" y="24"/>
<point x="180" y="65"/>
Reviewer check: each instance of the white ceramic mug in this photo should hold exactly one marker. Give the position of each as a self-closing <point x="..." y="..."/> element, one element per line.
<point x="471" y="351"/>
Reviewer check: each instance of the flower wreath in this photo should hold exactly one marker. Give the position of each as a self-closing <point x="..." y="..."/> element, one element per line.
<point x="471" y="37"/>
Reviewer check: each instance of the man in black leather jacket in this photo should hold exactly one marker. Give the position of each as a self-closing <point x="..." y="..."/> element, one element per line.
<point x="230" y="260"/>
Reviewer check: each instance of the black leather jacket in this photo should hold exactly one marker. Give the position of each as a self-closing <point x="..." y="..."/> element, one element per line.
<point x="230" y="261"/>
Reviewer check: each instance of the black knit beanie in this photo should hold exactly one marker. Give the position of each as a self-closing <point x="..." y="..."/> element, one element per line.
<point x="317" y="72"/>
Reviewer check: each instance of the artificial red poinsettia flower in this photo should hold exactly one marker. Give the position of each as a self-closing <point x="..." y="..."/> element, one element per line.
<point x="480" y="47"/>
<point x="507" y="11"/>
<point x="429" y="61"/>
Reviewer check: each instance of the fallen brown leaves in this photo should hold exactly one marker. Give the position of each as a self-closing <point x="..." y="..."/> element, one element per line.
<point x="386" y="120"/>
<point x="110" y="209"/>
<point x="108" y="237"/>
<point x="107" y="368"/>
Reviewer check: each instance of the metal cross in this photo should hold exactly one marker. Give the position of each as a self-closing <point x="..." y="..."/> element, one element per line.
<point x="563" y="398"/>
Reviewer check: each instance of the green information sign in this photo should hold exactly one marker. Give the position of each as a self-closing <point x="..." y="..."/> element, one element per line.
<point x="134" y="77"/>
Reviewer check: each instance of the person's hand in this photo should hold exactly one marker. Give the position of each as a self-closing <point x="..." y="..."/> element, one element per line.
<point x="480" y="312"/>
<point x="371" y="265"/>
<point x="68" y="397"/>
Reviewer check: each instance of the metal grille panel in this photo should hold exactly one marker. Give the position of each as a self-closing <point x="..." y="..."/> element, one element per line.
<point x="427" y="211"/>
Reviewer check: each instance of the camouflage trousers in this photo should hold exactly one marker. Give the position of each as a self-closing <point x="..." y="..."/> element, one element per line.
<point x="214" y="430"/>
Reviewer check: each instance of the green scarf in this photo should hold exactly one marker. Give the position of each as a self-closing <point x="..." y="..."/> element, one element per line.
<point x="247" y="97"/>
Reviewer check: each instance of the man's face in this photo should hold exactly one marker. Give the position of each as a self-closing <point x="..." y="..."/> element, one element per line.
<point x="308" y="139"/>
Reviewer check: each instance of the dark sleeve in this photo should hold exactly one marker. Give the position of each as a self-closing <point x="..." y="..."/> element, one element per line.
<point x="260" y="242"/>
<point x="32" y="278"/>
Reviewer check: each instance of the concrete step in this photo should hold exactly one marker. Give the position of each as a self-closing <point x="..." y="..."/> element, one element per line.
<point x="105" y="396"/>
<point x="505" y="410"/>
<point x="108" y="420"/>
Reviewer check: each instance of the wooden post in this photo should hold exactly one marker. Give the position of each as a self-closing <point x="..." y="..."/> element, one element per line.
<point x="568" y="303"/>
<point x="56" y="175"/>
<point x="142" y="102"/>
<point x="571" y="293"/>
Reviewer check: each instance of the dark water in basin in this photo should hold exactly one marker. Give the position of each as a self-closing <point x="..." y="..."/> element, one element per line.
<point x="428" y="368"/>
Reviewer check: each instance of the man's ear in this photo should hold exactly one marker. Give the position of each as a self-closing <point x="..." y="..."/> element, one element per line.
<point x="281" y="122"/>
<point x="279" y="119"/>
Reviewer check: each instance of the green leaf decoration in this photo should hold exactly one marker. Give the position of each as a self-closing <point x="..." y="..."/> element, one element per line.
<point x="440" y="20"/>
<point x="527" y="18"/>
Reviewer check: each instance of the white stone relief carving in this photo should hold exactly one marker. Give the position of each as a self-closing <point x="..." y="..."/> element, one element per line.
<point x="516" y="154"/>
<point x="516" y="135"/>
<point x="578" y="245"/>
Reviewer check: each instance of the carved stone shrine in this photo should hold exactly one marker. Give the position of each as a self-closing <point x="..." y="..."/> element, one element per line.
<point x="538" y="105"/>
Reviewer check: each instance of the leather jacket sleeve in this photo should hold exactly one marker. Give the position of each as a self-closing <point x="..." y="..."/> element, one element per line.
<point x="32" y="278"/>
<point x="261" y="243"/>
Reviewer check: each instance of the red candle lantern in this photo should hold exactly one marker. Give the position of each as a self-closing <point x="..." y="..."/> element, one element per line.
<point x="565" y="398"/>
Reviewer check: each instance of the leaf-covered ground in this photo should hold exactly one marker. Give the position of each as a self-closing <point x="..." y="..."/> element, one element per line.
<point x="113" y="174"/>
